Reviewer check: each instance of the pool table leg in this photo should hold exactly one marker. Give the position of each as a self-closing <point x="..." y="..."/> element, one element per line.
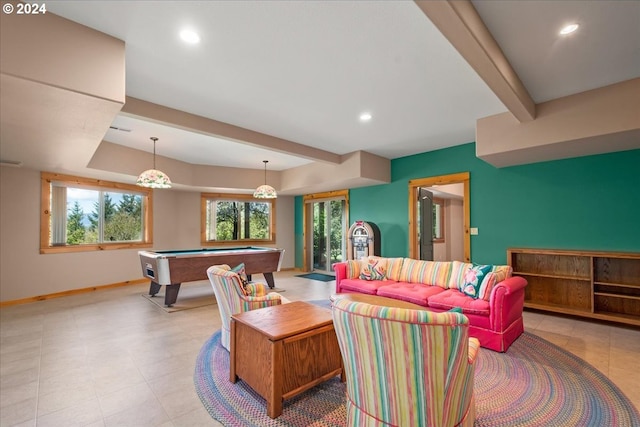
<point x="269" y="278"/>
<point x="154" y="288"/>
<point x="171" y="294"/>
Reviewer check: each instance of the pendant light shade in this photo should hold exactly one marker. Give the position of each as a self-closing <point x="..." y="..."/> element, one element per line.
<point x="153" y="178"/>
<point x="265" y="191"/>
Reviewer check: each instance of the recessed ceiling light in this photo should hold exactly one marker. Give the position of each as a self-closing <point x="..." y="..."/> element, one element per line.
<point x="365" y="117"/>
<point x="568" y="29"/>
<point x="189" y="36"/>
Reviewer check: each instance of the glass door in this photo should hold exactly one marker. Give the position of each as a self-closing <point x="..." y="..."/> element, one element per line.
<point x="328" y="240"/>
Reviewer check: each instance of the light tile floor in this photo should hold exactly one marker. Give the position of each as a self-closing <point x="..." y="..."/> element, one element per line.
<point x="112" y="358"/>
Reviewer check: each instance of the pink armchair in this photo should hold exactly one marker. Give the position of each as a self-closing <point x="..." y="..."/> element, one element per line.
<point x="405" y="367"/>
<point x="233" y="297"/>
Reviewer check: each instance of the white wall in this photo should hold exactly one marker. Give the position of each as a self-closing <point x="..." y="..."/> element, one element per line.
<point x="453" y="246"/>
<point x="24" y="272"/>
<point x="455" y="229"/>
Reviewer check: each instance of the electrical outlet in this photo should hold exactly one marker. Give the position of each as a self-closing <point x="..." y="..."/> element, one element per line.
<point x="473" y="231"/>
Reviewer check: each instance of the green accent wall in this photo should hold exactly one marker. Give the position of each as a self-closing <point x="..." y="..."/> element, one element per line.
<point x="590" y="203"/>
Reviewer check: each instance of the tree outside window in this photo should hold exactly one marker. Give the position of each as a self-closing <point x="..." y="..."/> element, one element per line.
<point x="236" y="217"/>
<point x="85" y="214"/>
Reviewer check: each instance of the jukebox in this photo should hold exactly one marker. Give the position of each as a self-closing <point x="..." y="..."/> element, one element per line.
<point x="364" y="240"/>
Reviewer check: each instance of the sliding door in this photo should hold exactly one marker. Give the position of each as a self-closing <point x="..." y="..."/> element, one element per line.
<point x="325" y="231"/>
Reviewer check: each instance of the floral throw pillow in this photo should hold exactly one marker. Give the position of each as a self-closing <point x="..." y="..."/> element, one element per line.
<point x="240" y="271"/>
<point x="373" y="270"/>
<point x="473" y="279"/>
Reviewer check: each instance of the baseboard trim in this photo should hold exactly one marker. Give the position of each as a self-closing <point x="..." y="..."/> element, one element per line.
<point x="71" y="292"/>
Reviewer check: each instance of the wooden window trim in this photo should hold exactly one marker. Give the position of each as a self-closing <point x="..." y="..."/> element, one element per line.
<point x="46" y="178"/>
<point x="240" y="197"/>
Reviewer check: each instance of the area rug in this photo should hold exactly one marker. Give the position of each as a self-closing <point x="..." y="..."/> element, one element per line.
<point x="534" y="384"/>
<point x="318" y="276"/>
<point x="191" y="295"/>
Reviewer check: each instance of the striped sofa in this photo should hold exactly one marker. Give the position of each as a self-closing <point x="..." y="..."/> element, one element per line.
<point x="405" y="367"/>
<point x="488" y="295"/>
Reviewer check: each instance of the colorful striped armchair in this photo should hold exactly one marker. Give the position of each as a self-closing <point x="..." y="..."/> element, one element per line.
<point x="406" y="367"/>
<point x="234" y="297"/>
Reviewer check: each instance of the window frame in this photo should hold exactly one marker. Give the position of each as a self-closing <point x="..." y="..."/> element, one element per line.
<point x="46" y="179"/>
<point x="205" y="197"/>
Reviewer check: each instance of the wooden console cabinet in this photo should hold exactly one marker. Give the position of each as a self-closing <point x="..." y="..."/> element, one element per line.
<point x="600" y="285"/>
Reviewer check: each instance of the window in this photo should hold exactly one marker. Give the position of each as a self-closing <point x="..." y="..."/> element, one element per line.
<point x="82" y="214"/>
<point x="233" y="218"/>
<point x="438" y="220"/>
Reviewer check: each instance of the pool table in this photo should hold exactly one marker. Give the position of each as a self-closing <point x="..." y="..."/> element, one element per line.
<point x="172" y="268"/>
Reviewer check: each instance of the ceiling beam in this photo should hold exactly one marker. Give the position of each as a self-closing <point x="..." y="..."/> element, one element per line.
<point x="138" y="108"/>
<point x="461" y="24"/>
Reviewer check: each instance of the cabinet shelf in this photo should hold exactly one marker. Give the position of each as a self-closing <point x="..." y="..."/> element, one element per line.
<point x="553" y="276"/>
<point x="557" y="308"/>
<point x="600" y="285"/>
<point x="607" y="294"/>
<point x="619" y="285"/>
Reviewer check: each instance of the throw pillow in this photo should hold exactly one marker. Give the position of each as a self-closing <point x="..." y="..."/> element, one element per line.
<point x="473" y="279"/>
<point x="394" y="268"/>
<point x="255" y="289"/>
<point x="374" y="269"/>
<point x="497" y="274"/>
<point x="456" y="279"/>
<point x="240" y="271"/>
<point x="353" y="269"/>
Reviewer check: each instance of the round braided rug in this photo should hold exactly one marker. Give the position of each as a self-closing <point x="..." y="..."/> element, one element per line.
<point x="238" y="405"/>
<point x="534" y="384"/>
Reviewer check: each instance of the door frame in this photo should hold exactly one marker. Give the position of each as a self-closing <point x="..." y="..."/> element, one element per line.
<point x="456" y="178"/>
<point x="307" y="219"/>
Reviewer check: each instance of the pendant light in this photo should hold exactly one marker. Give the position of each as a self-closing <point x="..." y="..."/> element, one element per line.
<point x="154" y="178"/>
<point x="265" y="191"/>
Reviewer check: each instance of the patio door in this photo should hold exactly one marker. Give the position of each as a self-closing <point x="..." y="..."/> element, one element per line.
<point x="326" y="233"/>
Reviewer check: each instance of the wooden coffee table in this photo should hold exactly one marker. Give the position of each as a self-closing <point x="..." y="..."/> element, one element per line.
<point x="283" y="350"/>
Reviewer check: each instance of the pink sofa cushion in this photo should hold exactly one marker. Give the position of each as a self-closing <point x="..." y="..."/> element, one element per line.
<point x="410" y="292"/>
<point x="450" y="298"/>
<point x="362" y="286"/>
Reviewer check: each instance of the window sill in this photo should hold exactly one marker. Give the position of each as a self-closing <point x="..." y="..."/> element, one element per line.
<point x="93" y="248"/>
